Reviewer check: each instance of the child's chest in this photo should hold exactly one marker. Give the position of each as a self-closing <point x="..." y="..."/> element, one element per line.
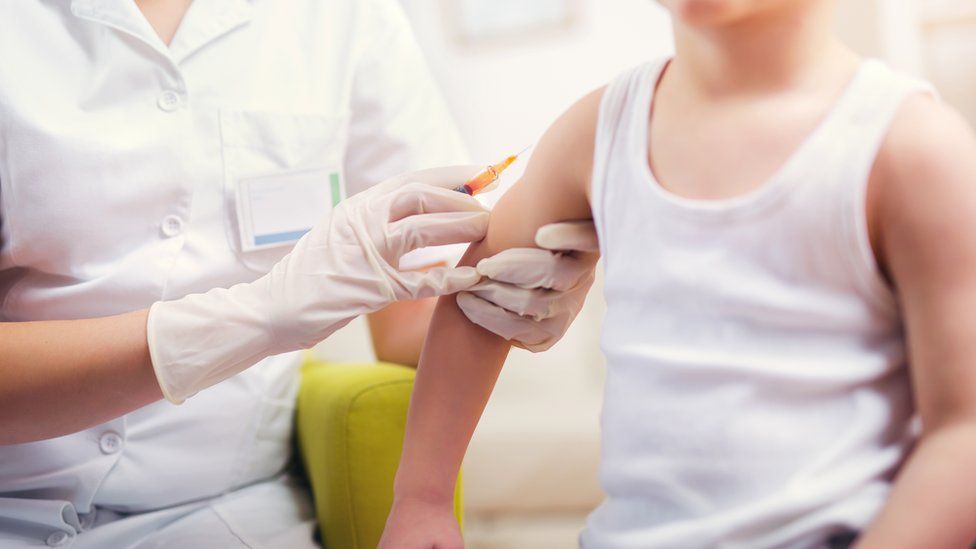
<point x="722" y="150"/>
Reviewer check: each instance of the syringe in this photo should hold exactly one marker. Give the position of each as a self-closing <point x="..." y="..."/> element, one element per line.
<point x="488" y="175"/>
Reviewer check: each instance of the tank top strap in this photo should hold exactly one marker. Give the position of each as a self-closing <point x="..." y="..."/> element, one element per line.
<point x="620" y="111"/>
<point x="845" y="157"/>
<point x="863" y="122"/>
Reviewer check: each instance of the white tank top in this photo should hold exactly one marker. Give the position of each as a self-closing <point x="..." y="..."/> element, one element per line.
<point x="757" y="391"/>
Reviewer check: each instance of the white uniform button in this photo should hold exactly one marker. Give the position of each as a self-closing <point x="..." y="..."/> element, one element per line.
<point x="172" y="225"/>
<point x="57" y="538"/>
<point x="110" y="442"/>
<point x="169" y="101"/>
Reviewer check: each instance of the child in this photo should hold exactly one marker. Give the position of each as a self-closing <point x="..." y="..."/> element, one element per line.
<point x="790" y="243"/>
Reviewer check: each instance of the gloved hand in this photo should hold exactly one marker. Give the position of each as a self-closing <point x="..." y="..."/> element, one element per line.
<point x="533" y="295"/>
<point x="344" y="267"/>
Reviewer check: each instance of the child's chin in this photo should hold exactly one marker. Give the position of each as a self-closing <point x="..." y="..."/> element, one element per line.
<point x="711" y="13"/>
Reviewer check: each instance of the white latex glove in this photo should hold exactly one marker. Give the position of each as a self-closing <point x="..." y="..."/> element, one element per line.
<point x="533" y="295"/>
<point x="344" y="267"/>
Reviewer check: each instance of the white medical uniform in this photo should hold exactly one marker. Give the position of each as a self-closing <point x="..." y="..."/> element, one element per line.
<point x="119" y="160"/>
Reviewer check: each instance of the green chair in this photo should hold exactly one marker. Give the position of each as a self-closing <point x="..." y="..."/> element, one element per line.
<point x="350" y="423"/>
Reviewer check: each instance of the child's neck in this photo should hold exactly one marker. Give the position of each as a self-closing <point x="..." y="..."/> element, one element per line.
<point x="793" y="45"/>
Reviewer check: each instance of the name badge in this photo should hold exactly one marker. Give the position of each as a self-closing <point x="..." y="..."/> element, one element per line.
<point x="277" y="210"/>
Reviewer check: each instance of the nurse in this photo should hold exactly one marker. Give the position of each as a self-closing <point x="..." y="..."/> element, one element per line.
<point x="189" y="192"/>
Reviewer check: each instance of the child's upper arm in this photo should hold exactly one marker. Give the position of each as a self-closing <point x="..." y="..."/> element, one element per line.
<point x="925" y="207"/>
<point x="555" y="184"/>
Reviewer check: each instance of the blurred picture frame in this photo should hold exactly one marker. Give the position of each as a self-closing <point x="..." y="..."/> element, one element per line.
<point x="479" y="23"/>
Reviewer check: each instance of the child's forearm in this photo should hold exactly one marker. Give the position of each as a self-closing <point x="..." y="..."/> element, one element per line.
<point x="448" y="399"/>
<point x="933" y="503"/>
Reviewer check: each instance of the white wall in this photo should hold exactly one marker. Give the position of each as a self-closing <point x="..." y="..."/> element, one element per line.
<point x="948" y="32"/>
<point x="932" y="39"/>
<point x="504" y="96"/>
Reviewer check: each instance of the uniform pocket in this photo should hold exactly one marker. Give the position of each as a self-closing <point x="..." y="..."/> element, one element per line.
<point x="267" y="145"/>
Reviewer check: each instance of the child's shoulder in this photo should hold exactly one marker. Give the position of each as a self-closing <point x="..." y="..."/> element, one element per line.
<point x="565" y="152"/>
<point x="929" y="150"/>
<point x="926" y="134"/>
<point x="578" y="124"/>
<point x="582" y="118"/>
<point x="574" y="134"/>
<point x="922" y="194"/>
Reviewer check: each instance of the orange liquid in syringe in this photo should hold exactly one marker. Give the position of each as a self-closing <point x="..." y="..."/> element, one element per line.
<point x="487" y="176"/>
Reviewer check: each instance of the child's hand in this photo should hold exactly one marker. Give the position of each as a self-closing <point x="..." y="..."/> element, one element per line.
<point x="417" y="524"/>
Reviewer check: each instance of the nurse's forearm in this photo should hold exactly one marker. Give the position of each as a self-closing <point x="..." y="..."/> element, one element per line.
<point x="398" y="331"/>
<point x="60" y="377"/>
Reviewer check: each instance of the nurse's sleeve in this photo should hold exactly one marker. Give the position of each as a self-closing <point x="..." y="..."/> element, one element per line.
<point x="399" y="120"/>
